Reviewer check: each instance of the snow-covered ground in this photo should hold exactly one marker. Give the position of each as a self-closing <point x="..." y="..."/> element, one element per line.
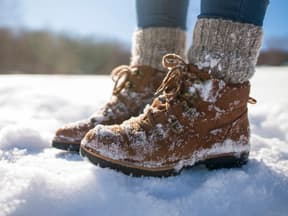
<point x="38" y="180"/>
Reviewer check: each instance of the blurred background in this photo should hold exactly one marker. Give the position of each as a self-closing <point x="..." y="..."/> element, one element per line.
<point x="92" y="37"/>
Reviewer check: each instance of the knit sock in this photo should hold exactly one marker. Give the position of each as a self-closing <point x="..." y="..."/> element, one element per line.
<point x="150" y="44"/>
<point x="227" y="49"/>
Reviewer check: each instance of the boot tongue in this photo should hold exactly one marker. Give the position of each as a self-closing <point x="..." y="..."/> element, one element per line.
<point x="203" y="75"/>
<point x="192" y="87"/>
<point x="183" y="83"/>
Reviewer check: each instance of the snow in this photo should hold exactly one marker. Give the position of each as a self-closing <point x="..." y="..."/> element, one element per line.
<point x="205" y="90"/>
<point x="36" y="179"/>
<point x="209" y="62"/>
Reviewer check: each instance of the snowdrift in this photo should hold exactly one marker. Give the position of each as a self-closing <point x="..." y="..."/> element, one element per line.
<point x="38" y="180"/>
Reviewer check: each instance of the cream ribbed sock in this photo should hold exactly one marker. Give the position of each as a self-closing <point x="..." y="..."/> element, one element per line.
<point x="150" y="44"/>
<point x="228" y="49"/>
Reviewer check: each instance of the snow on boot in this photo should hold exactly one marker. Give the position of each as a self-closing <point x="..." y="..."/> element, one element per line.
<point x="134" y="85"/>
<point x="134" y="88"/>
<point x="194" y="119"/>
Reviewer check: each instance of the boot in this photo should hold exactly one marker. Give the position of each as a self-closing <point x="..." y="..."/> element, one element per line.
<point x="134" y="85"/>
<point x="134" y="88"/>
<point x="194" y="119"/>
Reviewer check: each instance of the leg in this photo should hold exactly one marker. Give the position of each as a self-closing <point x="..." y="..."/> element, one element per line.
<point x="161" y="30"/>
<point x="199" y="115"/>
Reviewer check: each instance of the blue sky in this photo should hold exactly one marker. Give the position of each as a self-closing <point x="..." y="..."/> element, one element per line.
<point x="116" y="19"/>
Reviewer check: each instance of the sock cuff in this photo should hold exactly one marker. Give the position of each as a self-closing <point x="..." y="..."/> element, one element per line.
<point x="227" y="49"/>
<point x="150" y="44"/>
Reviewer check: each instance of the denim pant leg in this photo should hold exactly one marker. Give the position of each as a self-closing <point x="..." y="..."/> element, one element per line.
<point x="244" y="11"/>
<point x="162" y="13"/>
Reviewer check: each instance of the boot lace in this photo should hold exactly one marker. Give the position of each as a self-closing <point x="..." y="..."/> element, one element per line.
<point x="172" y="87"/>
<point x="120" y="76"/>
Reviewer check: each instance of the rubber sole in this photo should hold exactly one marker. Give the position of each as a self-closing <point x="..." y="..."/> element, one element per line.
<point x="73" y="147"/>
<point x="227" y="161"/>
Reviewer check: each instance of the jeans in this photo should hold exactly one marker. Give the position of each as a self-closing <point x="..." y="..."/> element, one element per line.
<point x="162" y="13"/>
<point x="244" y="11"/>
<point x="173" y="13"/>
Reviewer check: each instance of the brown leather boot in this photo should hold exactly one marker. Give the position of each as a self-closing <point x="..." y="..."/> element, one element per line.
<point x="195" y="119"/>
<point x="134" y="88"/>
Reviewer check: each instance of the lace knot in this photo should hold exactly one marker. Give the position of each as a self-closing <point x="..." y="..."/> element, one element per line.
<point x="120" y="77"/>
<point x="173" y="81"/>
<point x="172" y="60"/>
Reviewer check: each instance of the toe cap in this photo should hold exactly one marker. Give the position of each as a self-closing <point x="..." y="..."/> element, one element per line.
<point x="73" y="132"/>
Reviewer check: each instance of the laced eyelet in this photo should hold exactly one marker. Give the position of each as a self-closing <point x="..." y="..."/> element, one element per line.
<point x="190" y="96"/>
<point x="175" y="125"/>
<point x="194" y="96"/>
<point x="137" y="72"/>
<point x="162" y="99"/>
<point x="158" y="133"/>
<point x="105" y="113"/>
<point x="197" y="82"/>
<point x="121" y="109"/>
<point x="92" y="120"/>
<point x="129" y="85"/>
<point x="191" y="111"/>
<point x="187" y="95"/>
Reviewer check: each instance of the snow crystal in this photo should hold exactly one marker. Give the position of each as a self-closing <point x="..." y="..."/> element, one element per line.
<point x="210" y="107"/>
<point x="159" y="132"/>
<point x="216" y="131"/>
<point x="139" y="138"/>
<point x="236" y="102"/>
<point x="219" y="110"/>
<point x="221" y="84"/>
<point x="103" y="131"/>
<point x="38" y="180"/>
<point x="227" y="146"/>
<point x="208" y="62"/>
<point x="205" y="90"/>
<point x="112" y="150"/>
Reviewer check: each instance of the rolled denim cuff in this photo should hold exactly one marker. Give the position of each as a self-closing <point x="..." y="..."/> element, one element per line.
<point x="243" y="11"/>
<point x="161" y="13"/>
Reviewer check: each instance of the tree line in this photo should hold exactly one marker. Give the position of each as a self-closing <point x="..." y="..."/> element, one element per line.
<point x="43" y="52"/>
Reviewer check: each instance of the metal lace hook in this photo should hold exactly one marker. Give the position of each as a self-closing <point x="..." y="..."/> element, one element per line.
<point x="252" y="100"/>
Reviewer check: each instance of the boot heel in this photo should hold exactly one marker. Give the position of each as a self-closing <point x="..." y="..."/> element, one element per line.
<point x="227" y="161"/>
